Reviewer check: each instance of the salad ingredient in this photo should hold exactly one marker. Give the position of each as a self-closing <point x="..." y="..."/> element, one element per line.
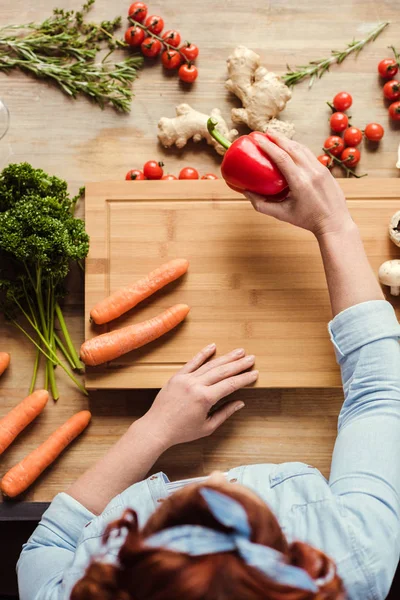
<point x="4" y="362"/>
<point x="316" y="68"/>
<point x="154" y="24"/>
<point x="138" y="11"/>
<point x="63" y="49"/>
<point x="134" y="36"/>
<point x="325" y="160"/>
<point x="22" y="475"/>
<point x="127" y="298"/>
<point x="345" y="167"/>
<point x="153" y="169"/>
<point x="209" y="176"/>
<point x="246" y="167"/>
<point x="334" y="144"/>
<point x="188" y="173"/>
<point x="189" y="51"/>
<point x="151" y="47"/>
<point x="394" y="111"/>
<point x="263" y="94"/>
<point x="135" y="175"/>
<point x="352" y="136"/>
<point x="172" y="37"/>
<point x="339" y="121"/>
<point x="389" y="274"/>
<point x="109" y="346"/>
<point x="391" y="90"/>
<point x="394" y="228"/>
<point x="374" y="132"/>
<point x="171" y="59"/>
<point x="190" y="123"/>
<point x="351" y="156"/>
<point x="342" y="101"/>
<point x="388" y="68"/>
<point x="188" y="73"/>
<point x="20" y="416"/>
<point x="169" y="177"/>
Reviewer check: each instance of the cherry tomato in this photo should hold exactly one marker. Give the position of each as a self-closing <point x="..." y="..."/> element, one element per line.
<point x="339" y="122"/>
<point x="188" y="173"/>
<point x="350" y="156"/>
<point x="394" y="111"/>
<point x="153" y="169"/>
<point x="342" y="101"/>
<point x="169" y="177"/>
<point x="387" y="68"/>
<point x="138" y="11"/>
<point x="391" y="89"/>
<point x="134" y="36"/>
<point x="188" y="73"/>
<point x="374" y="132"/>
<point x="135" y="175"/>
<point x="172" y="37"/>
<point x="155" y="24"/>
<point x="151" y="47"/>
<point x="334" y="144"/>
<point x="171" y="59"/>
<point x="352" y="136"/>
<point x="325" y="160"/>
<point x="209" y="176"/>
<point x="189" y="51"/>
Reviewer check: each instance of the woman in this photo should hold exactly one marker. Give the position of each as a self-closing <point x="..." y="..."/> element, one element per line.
<point x="261" y="531"/>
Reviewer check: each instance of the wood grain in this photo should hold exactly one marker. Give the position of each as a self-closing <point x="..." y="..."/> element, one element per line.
<point x="79" y="142"/>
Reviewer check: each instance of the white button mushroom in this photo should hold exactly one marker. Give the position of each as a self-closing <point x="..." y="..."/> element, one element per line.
<point x="389" y="274"/>
<point x="394" y="228"/>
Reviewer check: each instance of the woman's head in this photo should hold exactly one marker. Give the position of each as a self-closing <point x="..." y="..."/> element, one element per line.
<point x="159" y="573"/>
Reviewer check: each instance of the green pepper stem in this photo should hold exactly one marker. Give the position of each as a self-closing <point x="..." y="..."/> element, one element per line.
<point x="211" y="126"/>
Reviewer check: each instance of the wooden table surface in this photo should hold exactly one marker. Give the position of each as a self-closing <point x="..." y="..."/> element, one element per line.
<point x="79" y="142"/>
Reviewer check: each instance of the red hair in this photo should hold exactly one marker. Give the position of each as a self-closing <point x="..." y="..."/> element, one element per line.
<point x="157" y="574"/>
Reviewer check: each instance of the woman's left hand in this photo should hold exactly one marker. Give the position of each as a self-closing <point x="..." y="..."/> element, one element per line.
<point x="181" y="411"/>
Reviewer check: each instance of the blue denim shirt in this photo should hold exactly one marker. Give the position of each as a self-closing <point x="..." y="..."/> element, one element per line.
<point x="354" y="517"/>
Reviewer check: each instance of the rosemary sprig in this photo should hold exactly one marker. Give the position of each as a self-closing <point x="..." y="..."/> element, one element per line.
<point x="341" y="163"/>
<point x="63" y="49"/>
<point x="316" y="68"/>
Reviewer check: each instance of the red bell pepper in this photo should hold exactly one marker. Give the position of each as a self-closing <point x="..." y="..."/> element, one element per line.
<point x="246" y="167"/>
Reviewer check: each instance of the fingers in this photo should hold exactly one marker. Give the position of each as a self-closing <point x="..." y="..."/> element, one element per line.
<point x="221" y="415"/>
<point x="221" y="360"/>
<point x="232" y="384"/>
<point x="225" y="371"/>
<point x="199" y="359"/>
<point x="278" y="210"/>
<point x="281" y="158"/>
<point x="299" y="153"/>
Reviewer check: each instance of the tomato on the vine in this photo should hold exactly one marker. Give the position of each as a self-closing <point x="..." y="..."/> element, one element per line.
<point x="352" y="136"/>
<point x="155" y="24"/>
<point x="188" y="173"/>
<point x="394" y="111"/>
<point x="339" y="121"/>
<point x="350" y="156"/>
<point x="391" y="89"/>
<point x="134" y="36"/>
<point x="189" y="51"/>
<point x="138" y="11"/>
<point x="374" y="132"/>
<point x="151" y="47"/>
<point x="188" y="73"/>
<point x="334" y="144"/>
<point x="172" y="37"/>
<point x="153" y="169"/>
<point x="171" y="59"/>
<point x="169" y="177"/>
<point x="209" y="176"/>
<point x="387" y="68"/>
<point x="325" y="160"/>
<point x="135" y="175"/>
<point x="342" y="101"/>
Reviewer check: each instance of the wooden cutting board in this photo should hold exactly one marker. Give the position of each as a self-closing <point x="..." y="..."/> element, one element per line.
<point x="252" y="282"/>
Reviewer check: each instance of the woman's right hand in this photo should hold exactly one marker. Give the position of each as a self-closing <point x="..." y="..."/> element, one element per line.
<point x="315" y="201"/>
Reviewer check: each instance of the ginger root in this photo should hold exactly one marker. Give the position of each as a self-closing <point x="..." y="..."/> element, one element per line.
<point x="261" y="92"/>
<point x="190" y="123"/>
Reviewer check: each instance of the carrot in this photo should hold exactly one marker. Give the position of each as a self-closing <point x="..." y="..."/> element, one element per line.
<point x="22" y="475"/>
<point x="111" y="345"/>
<point x="4" y="361"/>
<point x="126" y="298"/>
<point x="20" y="416"/>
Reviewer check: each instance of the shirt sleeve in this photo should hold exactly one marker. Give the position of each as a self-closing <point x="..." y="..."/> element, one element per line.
<point x="365" y="469"/>
<point x="50" y="549"/>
